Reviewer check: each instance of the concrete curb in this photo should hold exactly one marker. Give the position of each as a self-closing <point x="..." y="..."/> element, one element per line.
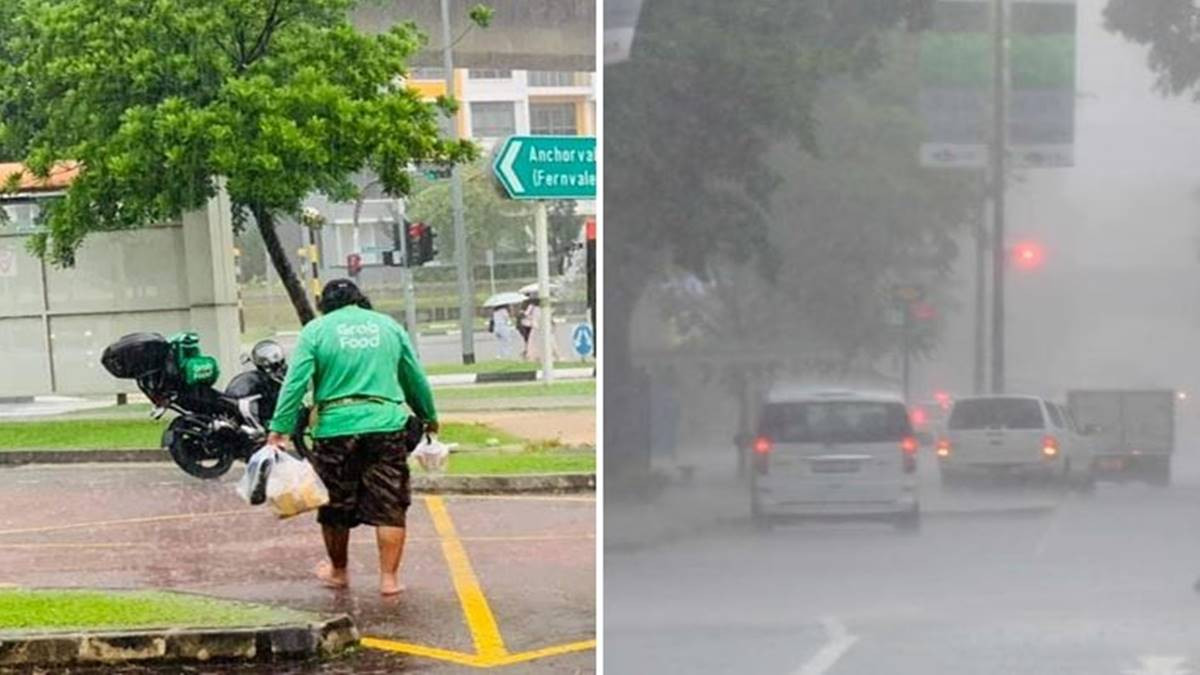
<point x="180" y="645"/>
<point x="516" y="376"/>
<point x="549" y="483"/>
<point x="20" y="457"/>
<point x="545" y="483"/>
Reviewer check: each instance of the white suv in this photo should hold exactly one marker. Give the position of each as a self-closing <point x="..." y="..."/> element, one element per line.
<point x="835" y="454"/>
<point x="1023" y="436"/>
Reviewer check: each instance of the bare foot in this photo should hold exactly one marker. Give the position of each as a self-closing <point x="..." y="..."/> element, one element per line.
<point x="332" y="578"/>
<point x="388" y="585"/>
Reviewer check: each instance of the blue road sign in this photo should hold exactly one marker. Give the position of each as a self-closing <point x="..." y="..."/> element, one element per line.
<point x="583" y="340"/>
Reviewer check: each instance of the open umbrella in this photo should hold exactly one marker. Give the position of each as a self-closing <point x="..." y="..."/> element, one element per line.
<point x="532" y="289"/>
<point x="502" y="299"/>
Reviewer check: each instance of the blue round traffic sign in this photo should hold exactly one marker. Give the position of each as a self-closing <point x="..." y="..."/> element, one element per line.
<point x="583" y="340"/>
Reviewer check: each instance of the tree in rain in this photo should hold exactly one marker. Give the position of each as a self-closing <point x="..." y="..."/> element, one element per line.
<point x="160" y="104"/>
<point x="710" y="91"/>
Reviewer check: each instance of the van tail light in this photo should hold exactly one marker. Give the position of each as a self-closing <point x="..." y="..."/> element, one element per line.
<point x="1049" y="447"/>
<point x="908" y="454"/>
<point x="943" y="448"/>
<point x="762" y="452"/>
<point x="763" y="445"/>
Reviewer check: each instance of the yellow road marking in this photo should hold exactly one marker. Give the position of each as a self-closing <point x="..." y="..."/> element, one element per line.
<point x="362" y="542"/>
<point x="480" y="620"/>
<point x="421" y="650"/>
<point x="543" y="653"/>
<point x="475" y="660"/>
<point x="126" y="521"/>
<point x="489" y="644"/>
<point x="521" y="498"/>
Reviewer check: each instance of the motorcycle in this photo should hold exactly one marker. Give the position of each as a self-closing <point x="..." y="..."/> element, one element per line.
<point x="212" y="428"/>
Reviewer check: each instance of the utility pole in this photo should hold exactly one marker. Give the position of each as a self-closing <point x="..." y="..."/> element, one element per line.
<point x="906" y="348"/>
<point x="462" y="258"/>
<point x="979" y="381"/>
<point x="400" y="241"/>
<point x="999" y="149"/>
<point x="545" y="321"/>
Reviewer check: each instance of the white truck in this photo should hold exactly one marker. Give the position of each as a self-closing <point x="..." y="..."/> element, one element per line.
<point x="1132" y="432"/>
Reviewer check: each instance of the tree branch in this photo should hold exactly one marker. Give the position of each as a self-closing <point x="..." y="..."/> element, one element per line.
<point x="264" y="36"/>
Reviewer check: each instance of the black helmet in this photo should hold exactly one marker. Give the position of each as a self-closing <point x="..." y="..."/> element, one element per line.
<point x="268" y="357"/>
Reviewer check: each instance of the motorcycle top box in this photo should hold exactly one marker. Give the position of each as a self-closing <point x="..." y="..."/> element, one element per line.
<point x="195" y="367"/>
<point x="136" y="355"/>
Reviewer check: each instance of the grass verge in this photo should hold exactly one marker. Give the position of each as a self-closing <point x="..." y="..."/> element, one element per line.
<point x="134" y="434"/>
<point x="62" y="610"/>
<point x="498" y="366"/>
<point x="499" y="463"/>
<point x="509" y="391"/>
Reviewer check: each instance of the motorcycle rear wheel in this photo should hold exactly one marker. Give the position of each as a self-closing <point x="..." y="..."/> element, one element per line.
<point x="184" y="441"/>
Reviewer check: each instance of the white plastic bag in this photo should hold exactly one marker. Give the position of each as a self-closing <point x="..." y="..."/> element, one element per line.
<point x="431" y="454"/>
<point x="253" y="485"/>
<point x="293" y="487"/>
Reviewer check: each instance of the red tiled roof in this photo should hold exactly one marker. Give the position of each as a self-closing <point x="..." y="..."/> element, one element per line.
<point x="59" y="179"/>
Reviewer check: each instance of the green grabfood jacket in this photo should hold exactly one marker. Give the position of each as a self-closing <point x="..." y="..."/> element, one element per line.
<point x="354" y="353"/>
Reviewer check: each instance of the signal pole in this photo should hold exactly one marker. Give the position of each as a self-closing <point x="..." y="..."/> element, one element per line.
<point x="998" y="150"/>
<point x="462" y="258"/>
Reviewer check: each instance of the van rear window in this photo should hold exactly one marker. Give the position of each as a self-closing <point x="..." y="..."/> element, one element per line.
<point x="836" y="422"/>
<point x="996" y="413"/>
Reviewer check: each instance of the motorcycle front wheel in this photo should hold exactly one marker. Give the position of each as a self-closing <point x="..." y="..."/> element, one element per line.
<point x="184" y="441"/>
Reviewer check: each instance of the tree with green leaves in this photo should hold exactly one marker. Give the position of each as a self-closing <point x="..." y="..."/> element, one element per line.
<point x="1168" y="27"/>
<point x="691" y="119"/>
<point x="161" y="104"/>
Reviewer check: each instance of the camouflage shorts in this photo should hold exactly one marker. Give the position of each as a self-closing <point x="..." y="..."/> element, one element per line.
<point x="367" y="478"/>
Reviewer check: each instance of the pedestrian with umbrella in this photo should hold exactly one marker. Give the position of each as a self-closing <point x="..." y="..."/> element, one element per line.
<point x="501" y="323"/>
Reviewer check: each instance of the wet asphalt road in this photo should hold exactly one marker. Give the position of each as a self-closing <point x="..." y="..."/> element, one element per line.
<point x="1103" y="584"/>
<point x="138" y="526"/>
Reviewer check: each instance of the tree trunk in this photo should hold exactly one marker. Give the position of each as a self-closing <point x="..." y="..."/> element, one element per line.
<point x="626" y="391"/>
<point x="283" y="265"/>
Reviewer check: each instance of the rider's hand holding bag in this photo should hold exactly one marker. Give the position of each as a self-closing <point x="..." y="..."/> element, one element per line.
<point x="293" y="487"/>
<point x="253" y="485"/>
<point x="431" y="454"/>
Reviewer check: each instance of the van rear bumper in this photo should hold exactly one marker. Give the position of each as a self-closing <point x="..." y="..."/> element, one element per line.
<point x="778" y="505"/>
<point x="1029" y="469"/>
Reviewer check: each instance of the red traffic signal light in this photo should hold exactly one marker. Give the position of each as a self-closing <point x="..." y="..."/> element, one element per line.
<point x="354" y="264"/>
<point x="1028" y="254"/>
<point x="923" y="311"/>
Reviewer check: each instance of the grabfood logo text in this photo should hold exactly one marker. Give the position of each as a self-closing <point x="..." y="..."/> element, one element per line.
<point x="358" y="336"/>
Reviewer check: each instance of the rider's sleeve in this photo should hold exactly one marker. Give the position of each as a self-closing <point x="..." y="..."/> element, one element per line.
<point x="413" y="381"/>
<point x="300" y="372"/>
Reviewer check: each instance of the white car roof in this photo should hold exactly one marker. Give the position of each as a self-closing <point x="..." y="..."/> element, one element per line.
<point x="991" y="397"/>
<point x="805" y="394"/>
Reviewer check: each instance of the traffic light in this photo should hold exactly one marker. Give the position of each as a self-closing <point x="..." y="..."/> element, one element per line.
<point x="420" y="244"/>
<point x="354" y="264"/>
<point x="1028" y="254"/>
<point x="923" y="311"/>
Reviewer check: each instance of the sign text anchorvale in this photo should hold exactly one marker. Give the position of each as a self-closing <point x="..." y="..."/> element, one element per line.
<point x="548" y="167"/>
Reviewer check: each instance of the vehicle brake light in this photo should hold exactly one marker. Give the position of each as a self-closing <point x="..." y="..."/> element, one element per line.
<point x="918" y="417"/>
<point x="943" y="448"/>
<point x="1050" y="447"/>
<point x="762" y="445"/>
<point x="908" y="454"/>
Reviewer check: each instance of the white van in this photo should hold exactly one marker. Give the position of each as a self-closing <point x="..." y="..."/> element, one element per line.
<point x="1023" y="436"/>
<point x="835" y="454"/>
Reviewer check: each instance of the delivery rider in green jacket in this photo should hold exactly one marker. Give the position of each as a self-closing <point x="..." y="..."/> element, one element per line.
<point x="365" y="379"/>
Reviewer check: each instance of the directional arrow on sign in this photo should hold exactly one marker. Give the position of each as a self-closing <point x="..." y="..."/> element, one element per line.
<point x="506" y="165"/>
<point x="547" y="167"/>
